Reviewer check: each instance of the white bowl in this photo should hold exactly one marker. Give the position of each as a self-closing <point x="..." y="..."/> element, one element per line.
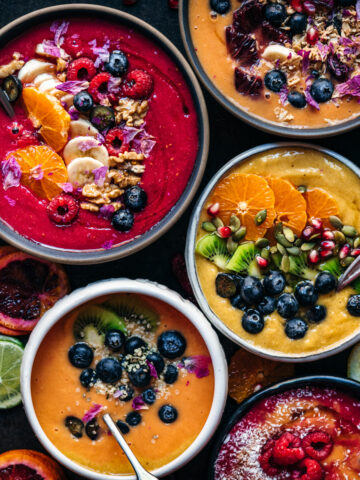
<point x="145" y="287"/>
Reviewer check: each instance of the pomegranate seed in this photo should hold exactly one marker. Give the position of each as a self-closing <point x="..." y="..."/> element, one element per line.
<point x="262" y="262"/>
<point x="308" y="7"/>
<point x="344" y="252"/>
<point x="213" y="209"/>
<point x="312" y="35"/>
<point x="307" y="233"/>
<point x="297" y="5"/>
<point x="224" y="232"/>
<point x="173" y="3"/>
<point x="327" y="245"/>
<point x="325" y="253"/>
<point x="355" y="252"/>
<point x="317" y="224"/>
<point x="313" y="256"/>
<point x="328" y="235"/>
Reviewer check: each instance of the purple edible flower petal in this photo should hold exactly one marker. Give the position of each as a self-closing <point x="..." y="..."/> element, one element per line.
<point x="138" y="403"/>
<point x="91" y="414"/>
<point x="88" y="144"/>
<point x="100" y="175"/>
<point x="59" y="29"/>
<point x="37" y="173"/>
<point x="107" y="245"/>
<point x="102" y="53"/>
<point x="309" y="98"/>
<point x="198" y="364"/>
<point x="67" y="187"/>
<point x="51" y="49"/>
<point x="152" y="369"/>
<point x="73" y="86"/>
<point x="130" y="133"/>
<point x="74" y="114"/>
<point x="323" y="49"/>
<point x="357" y="7"/>
<point x="10" y="201"/>
<point x="283" y="94"/>
<point x="144" y="143"/>
<point x="305" y="54"/>
<point x="350" y="87"/>
<point x="100" y="138"/>
<point x="11" y="173"/>
<point x="325" y="3"/>
<point x="113" y="85"/>
<point x="107" y="211"/>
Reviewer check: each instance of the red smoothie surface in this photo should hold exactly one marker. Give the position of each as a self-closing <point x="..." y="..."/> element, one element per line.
<point x="171" y="119"/>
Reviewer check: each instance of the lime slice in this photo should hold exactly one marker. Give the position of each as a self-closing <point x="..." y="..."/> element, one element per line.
<point x="15" y="340"/>
<point x="353" y="370"/>
<point x="10" y="362"/>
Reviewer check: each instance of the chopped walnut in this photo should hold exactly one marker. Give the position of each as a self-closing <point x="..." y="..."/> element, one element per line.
<point x="132" y="112"/>
<point x="133" y="156"/>
<point x="11" y="67"/>
<point x="89" y="206"/>
<point x="61" y="65"/>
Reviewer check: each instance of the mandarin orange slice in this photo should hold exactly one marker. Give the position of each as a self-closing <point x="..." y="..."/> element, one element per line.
<point x="47" y="112"/>
<point x="321" y="204"/>
<point x="290" y="205"/>
<point x="42" y="170"/>
<point x="245" y="195"/>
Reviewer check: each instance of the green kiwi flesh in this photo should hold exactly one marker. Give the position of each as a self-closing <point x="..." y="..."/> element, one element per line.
<point x="214" y="249"/>
<point x="332" y="266"/>
<point x="243" y="259"/>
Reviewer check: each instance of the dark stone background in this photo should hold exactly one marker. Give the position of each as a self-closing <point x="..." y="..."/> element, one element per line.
<point x="229" y="137"/>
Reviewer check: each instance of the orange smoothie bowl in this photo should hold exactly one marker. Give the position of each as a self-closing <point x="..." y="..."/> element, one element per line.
<point x="93" y="157"/>
<point x="283" y="67"/>
<point x="306" y="428"/>
<point x="133" y="349"/>
<point x="269" y="230"/>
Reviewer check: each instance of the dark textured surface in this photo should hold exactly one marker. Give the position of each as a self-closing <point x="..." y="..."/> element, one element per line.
<point x="229" y="137"/>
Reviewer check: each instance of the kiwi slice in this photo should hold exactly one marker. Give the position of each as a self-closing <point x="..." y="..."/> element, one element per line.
<point x="132" y="308"/>
<point x="300" y="268"/>
<point x="214" y="249"/>
<point x="243" y="259"/>
<point x="93" y="321"/>
<point x="332" y="266"/>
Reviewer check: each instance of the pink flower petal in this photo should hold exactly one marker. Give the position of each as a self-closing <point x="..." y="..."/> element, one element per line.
<point x="11" y="173"/>
<point x="138" y="403"/>
<point x="59" y="29"/>
<point x="107" y="211"/>
<point x="198" y="364"/>
<point x="91" y="414"/>
<point x="73" y="86"/>
<point x="67" y="187"/>
<point x="152" y="369"/>
<point x="107" y="245"/>
<point x="100" y="175"/>
<point x="88" y="144"/>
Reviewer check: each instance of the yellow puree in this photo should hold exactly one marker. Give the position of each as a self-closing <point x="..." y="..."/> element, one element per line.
<point x="57" y="393"/>
<point x="208" y="37"/>
<point x="301" y="167"/>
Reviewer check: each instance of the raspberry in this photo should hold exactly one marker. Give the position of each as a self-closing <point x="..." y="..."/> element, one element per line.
<point x="313" y="470"/>
<point x="74" y="45"/>
<point x="317" y="445"/>
<point x="98" y="87"/>
<point x="138" y="84"/>
<point x="266" y="460"/>
<point x="114" y="142"/>
<point x="63" y="209"/>
<point x="287" y="449"/>
<point x="81" y="69"/>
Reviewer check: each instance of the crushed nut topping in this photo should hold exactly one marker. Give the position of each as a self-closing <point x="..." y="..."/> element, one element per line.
<point x="11" y="67"/>
<point x="132" y="112"/>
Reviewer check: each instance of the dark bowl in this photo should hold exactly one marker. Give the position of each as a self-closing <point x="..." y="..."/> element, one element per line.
<point x="24" y="23"/>
<point x="254" y="121"/>
<point x="325" y="381"/>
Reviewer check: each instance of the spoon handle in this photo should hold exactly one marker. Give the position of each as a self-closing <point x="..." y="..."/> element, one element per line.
<point x="4" y="102"/>
<point x="140" y="471"/>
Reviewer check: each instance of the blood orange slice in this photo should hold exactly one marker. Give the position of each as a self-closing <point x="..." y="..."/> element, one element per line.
<point x="28" y="465"/>
<point x="10" y="331"/>
<point x="28" y="288"/>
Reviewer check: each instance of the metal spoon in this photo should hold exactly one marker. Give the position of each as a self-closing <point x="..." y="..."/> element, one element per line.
<point x="140" y="471"/>
<point x="350" y="274"/>
<point x="4" y="102"/>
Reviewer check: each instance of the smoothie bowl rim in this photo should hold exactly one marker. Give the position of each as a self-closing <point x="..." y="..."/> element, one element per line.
<point x="241" y="113"/>
<point x="345" y="385"/>
<point x="139" y="242"/>
<point x="145" y="287"/>
<point x="190" y="256"/>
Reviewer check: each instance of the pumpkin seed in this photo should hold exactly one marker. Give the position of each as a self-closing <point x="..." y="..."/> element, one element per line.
<point x="289" y="234"/>
<point x="314" y="237"/>
<point x="231" y="245"/>
<point x="293" y="251"/>
<point x="281" y="249"/>
<point x="217" y="222"/>
<point x="260" y="217"/>
<point x="285" y="264"/>
<point x="262" y="243"/>
<point x="357" y="242"/>
<point x="234" y="223"/>
<point x="278" y="228"/>
<point x="280" y="237"/>
<point x="208" y="227"/>
<point x="339" y="237"/>
<point x="302" y="188"/>
<point x="265" y="253"/>
<point x="336" y="222"/>
<point x="239" y="234"/>
<point x="347" y="261"/>
<point x="298" y="242"/>
<point x="349" y="231"/>
<point x="305" y="247"/>
<point x="350" y="241"/>
<point x="273" y="249"/>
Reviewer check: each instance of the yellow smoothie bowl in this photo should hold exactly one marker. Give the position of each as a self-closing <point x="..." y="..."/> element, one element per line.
<point x="305" y="167"/>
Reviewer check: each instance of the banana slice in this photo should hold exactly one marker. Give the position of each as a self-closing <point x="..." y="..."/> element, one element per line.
<point x="82" y="127"/>
<point x="67" y="99"/>
<point x="82" y="147"/>
<point x="80" y="170"/>
<point x="43" y="52"/>
<point x="279" y="52"/>
<point x="42" y="78"/>
<point x="33" y="68"/>
<point x="48" y="85"/>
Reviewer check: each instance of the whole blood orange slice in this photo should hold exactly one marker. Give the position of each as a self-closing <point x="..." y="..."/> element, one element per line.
<point x="28" y="465"/>
<point x="290" y="204"/>
<point x="28" y="288"/>
<point x="320" y="204"/>
<point x="46" y="112"/>
<point x="245" y="195"/>
<point x="42" y="170"/>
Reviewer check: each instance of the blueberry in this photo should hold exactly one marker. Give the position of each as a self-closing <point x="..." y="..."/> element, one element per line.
<point x="114" y="339"/>
<point x="88" y="377"/>
<point x="134" y="343"/>
<point x="226" y="285"/>
<point x="124" y="429"/>
<point x="252" y="321"/>
<point x="275" y="80"/>
<point x="325" y="282"/>
<point x="316" y="314"/>
<point x="157" y="360"/>
<point x="75" y="425"/>
<point x="296" y="328"/>
<point x="118" y="63"/>
<point x="220" y="6"/>
<point x="252" y="290"/>
<point x="274" y="283"/>
<point x="102" y="117"/>
<point x="80" y="355"/>
<point x="109" y="370"/>
<point x="171" y="374"/>
<point x="133" y="419"/>
<point x="267" y="306"/>
<point x="140" y="377"/>
<point x="135" y="198"/>
<point x="238" y="302"/>
<point x="297" y="23"/>
<point x="92" y="429"/>
<point x="123" y="220"/>
<point x="12" y="87"/>
<point x="353" y="305"/>
<point x="322" y="89"/>
<point x="297" y="99"/>
<point x="287" y="305"/>
<point x="168" y="414"/>
<point x="126" y="393"/>
<point x="149" y="396"/>
<point x="83" y="102"/>
<point x="171" y="344"/>
<point x="315" y="73"/>
<point x="306" y="294"/>
<point x="275" y="13"/>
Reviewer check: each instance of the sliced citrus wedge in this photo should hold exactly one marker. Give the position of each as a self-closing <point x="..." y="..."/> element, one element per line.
<point x="321" y="204"/>
<point x="11" y="354"/>
<point x="29" y="465"/>
<point x="353" y="370"/>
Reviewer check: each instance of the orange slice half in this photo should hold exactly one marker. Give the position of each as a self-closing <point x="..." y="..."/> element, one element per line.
<point x="321" y="204"/>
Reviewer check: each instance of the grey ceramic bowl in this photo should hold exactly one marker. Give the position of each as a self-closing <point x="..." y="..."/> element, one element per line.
<point x="191" y="263"/>
<point x="254" y="121"/>
<point x="99" y="256"/>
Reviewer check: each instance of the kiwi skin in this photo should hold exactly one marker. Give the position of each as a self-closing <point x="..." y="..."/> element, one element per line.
<point x="97" y="320"/>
